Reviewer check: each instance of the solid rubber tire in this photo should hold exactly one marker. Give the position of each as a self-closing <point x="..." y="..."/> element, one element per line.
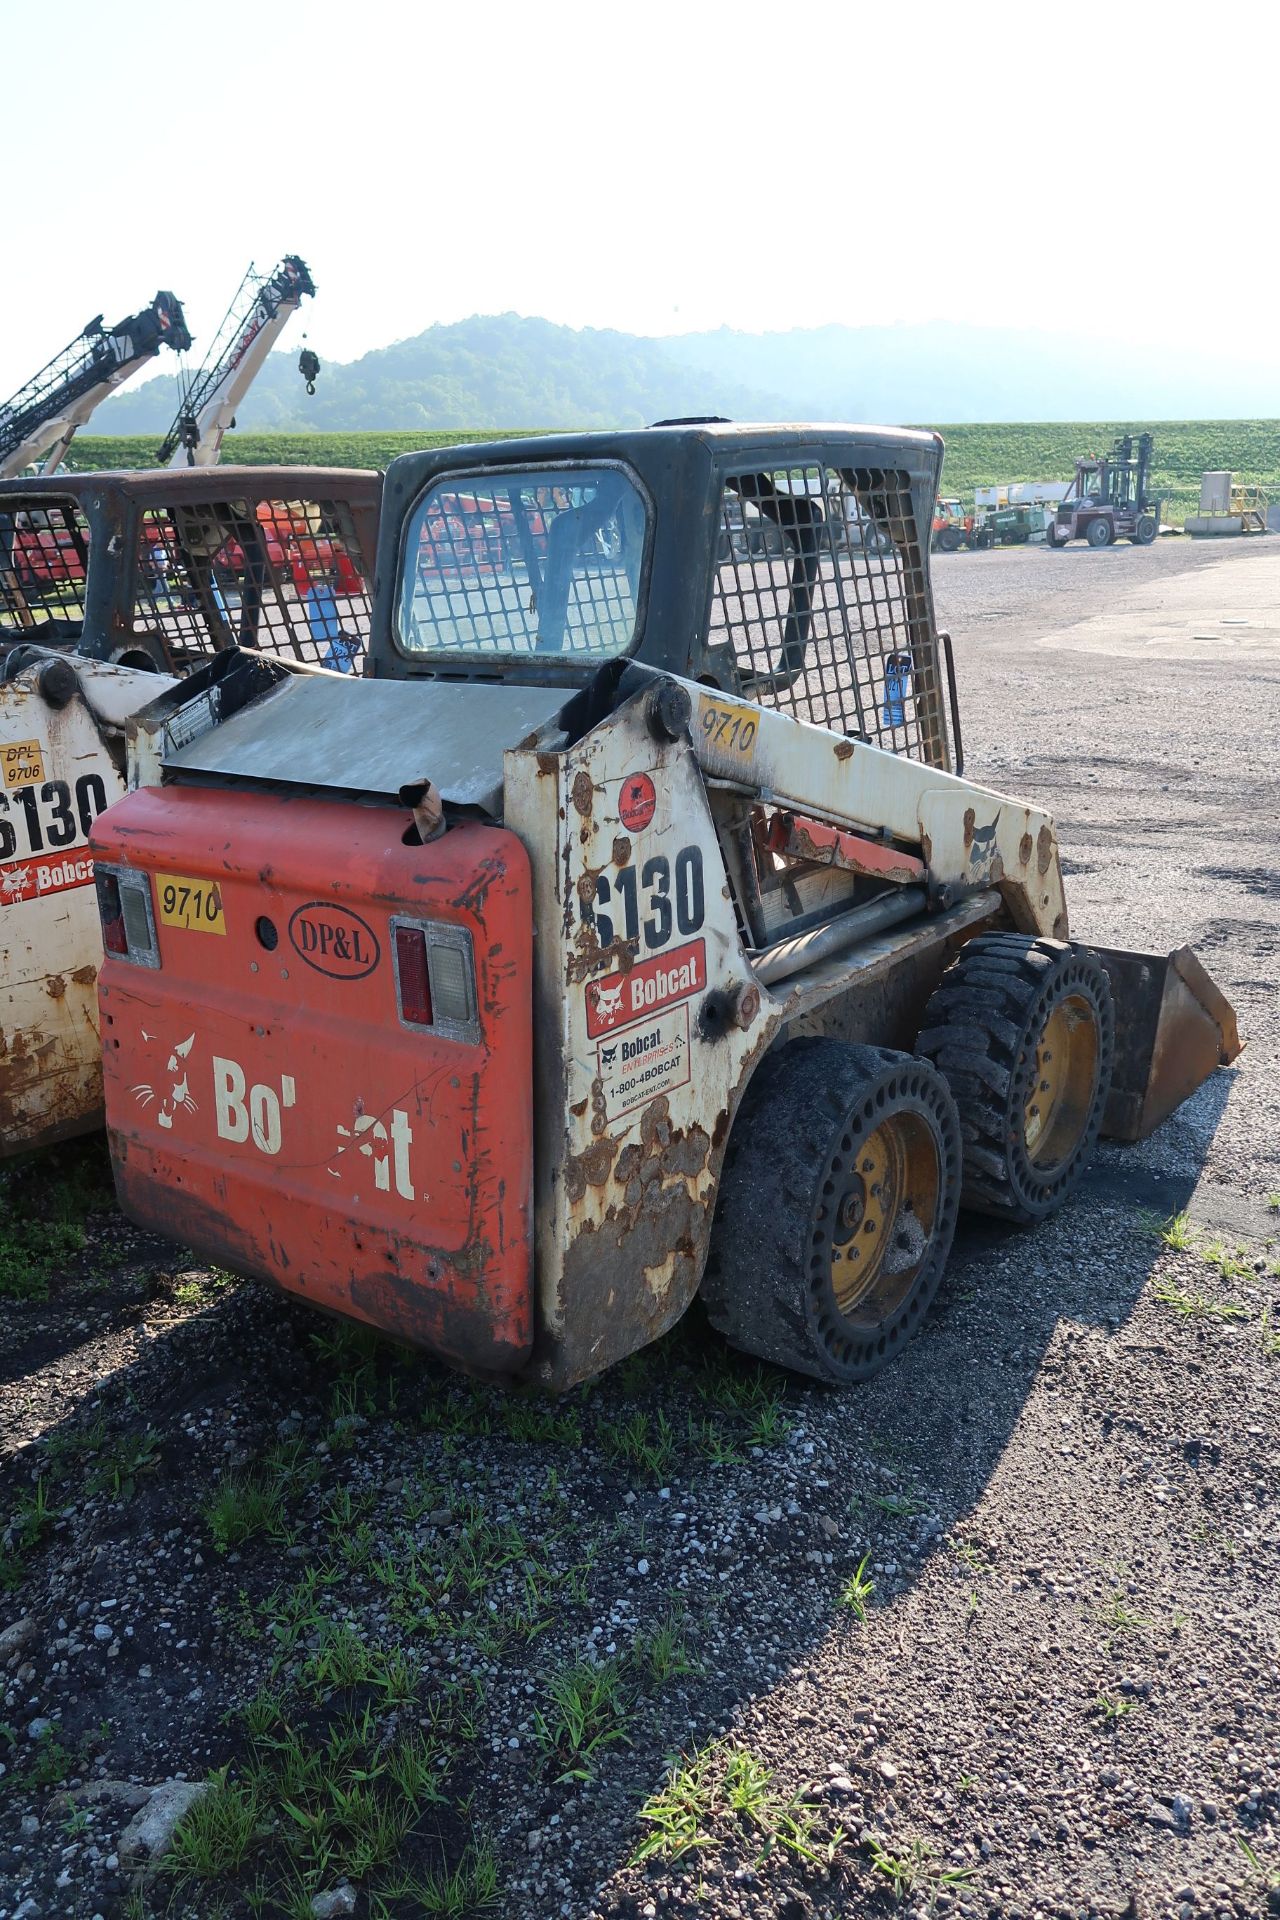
<point x="761" y="1288"/>
<point x="980" y="1029"/>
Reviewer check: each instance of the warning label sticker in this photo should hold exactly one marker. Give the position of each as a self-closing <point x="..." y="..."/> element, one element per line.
<point x="618" y="998"/>
<point x="32" y="879"/>
<point x="648" y="1059"/>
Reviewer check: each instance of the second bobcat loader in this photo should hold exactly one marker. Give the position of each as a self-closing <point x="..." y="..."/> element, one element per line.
<point x="111" y="586"/>
<point x="630" y="932"/>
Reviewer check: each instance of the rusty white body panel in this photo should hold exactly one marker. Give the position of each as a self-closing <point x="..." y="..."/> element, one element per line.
<point x="650" y="1016"/>
<point x="60" y="766"/>
<point x="968" y="836"/>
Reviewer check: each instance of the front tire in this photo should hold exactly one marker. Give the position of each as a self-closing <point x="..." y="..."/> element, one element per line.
<point x="837" y="1208"/>
<point x="1100" y="533"/>
<point x="1145" y="531"/>
<point x="1024" y="1031"/>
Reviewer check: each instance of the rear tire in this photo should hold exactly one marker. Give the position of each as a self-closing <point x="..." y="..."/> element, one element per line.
<point x="949" y="540"/>
<point x="837" y="1208"/>
<point x="1145" y="531"/>
<point x="1024" y="1031"/>
<point x="1100" y="533"/>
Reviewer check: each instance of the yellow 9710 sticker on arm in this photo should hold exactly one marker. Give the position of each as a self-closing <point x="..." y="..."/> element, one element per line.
<point x="195" y="905"/>
<point x="728" y="728"/>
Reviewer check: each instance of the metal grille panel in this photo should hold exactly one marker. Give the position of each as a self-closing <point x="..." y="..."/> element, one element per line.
<point x="44" y="563"/>
<point x="821" y="603"/>
<point x="285" y="576"/>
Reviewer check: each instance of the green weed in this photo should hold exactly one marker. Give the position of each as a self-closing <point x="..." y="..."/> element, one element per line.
<point x="917" y="1872"/>
<point x="1195" y="1306"/>
<point x="858" y="1589"/>
<point x="1178" y="1232"/>
<point x="587" y="1707"/>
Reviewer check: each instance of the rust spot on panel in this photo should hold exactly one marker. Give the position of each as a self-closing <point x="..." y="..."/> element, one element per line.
<point x="547" y="763"/>
<point x="1044" y="849"/>
<point x="969" y="824"/>
<point x="621" y="850"/>
<point x="926" y="848"/>
<point x="583" y="793"/>
<point x="843" y="749"/>
<point x="55" y="986"/>
<point x="578" y="1108"/>
<point x="590" y="1168"/>
<point x="84" y="976"/>
<point x="1026" y="847"/>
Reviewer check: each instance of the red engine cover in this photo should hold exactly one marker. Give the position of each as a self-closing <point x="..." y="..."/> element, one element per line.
<point x="268" y="1106"/>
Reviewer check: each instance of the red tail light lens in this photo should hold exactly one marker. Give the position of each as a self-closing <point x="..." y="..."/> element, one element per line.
<point x="124" y="906"/>
<point x="436" y="977"/>
<point x="411" y="971"/>
<point x="114" y="937"/>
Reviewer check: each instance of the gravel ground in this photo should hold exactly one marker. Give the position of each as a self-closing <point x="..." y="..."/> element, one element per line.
<point x="995" y="1635"/>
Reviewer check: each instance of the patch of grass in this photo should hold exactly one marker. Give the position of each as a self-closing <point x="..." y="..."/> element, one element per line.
<point x="1230" y="1265"/>
<point x="858" y="1589"/>
<point x="118" y="1465"/>
<point x="532" y="1423"/>
<point x="198" y="1289"/>
<point x="29" y="1524"/>
<point x="1269" y="1334"/>
<point x="916" y="1873"/>
<point x="587" y="1707"/>
<point x="241" y="1506"/>
<point x="1268" y="1877"/>
<point x="662" y="1654"/>
<point x="51" y="1762"/>
<point x="316" y="1803"/>
<point x="730" y="1782"/>
<point x="643" y="1443"/>
<point x="899" y="1506"/>
<point x="1193" y="1305"/>
<point x="471" y="1887"/>
<point x="1273" y="1202"/>
<point x="1112" y="1707"/>
<point x="1178" y="1232"/>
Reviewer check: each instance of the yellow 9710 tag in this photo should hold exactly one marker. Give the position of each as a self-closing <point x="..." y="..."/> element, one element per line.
<point x="22" y="763"/>
<point x="728" y="728"/>
<point x="195" y="905"/>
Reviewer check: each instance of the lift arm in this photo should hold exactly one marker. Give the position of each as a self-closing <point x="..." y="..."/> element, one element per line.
<point x="254" y="321"/>
<point x="41" y="420"/>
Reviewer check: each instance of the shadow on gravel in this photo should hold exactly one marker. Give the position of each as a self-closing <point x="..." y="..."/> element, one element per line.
<point x="496" y="1541"/>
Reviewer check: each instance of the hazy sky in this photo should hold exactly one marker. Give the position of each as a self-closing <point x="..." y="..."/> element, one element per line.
<point x="653" y="167"/>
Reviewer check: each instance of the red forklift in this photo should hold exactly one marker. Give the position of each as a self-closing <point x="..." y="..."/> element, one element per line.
<point x="1109" y="498"/>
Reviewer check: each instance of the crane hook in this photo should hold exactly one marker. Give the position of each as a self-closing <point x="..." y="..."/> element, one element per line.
<point x="309" y="367"/>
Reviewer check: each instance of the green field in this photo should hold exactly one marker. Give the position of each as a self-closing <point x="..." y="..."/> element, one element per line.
<point x="976" y="455"/>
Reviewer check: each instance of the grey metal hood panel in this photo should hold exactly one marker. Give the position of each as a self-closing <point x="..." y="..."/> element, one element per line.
<point x="376" y="736"/>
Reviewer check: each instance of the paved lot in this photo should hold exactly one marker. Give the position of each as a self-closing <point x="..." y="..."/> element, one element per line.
<point x="997" y="1635"/>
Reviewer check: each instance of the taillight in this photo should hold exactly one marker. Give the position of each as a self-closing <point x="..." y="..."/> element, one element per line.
<point x="128" y="926"/>
<point x="436" y="977"/>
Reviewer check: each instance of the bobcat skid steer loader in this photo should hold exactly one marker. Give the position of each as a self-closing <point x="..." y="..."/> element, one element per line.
<point x="111" y="585"/>
<point x="630" y="931"/>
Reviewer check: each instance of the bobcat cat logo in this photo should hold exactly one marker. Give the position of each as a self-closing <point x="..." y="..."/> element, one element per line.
<point x="179" y="1094"/>
<point x="608" y="1055"/>
<point x="608" y="1001"/>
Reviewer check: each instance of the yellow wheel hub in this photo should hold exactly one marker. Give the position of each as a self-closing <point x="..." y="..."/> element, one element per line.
<point x="1057" y="1107"/>
<point x="885" y="1214"/>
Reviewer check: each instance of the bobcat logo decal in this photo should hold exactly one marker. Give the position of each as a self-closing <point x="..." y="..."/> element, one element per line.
<point x="608" y="1001"/>
<point x="178" y="1099"/>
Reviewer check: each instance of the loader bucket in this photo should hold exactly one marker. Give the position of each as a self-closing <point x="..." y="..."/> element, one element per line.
<point x="1173" y="1027"/>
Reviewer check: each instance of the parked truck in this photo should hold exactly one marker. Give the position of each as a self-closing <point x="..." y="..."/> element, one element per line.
<point x="630" y="933"/>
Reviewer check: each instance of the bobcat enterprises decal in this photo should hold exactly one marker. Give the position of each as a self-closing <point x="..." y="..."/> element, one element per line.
<point x="650" y="1058"/>
<point x="617" y="999"/>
